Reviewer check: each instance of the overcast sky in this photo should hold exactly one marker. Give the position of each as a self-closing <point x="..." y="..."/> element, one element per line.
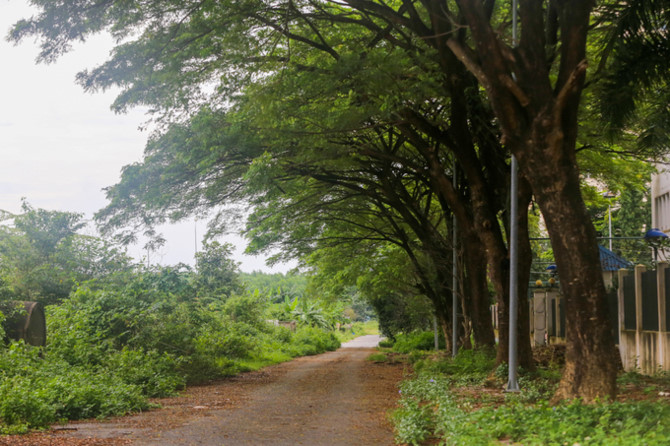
<point x="60" y="146"/>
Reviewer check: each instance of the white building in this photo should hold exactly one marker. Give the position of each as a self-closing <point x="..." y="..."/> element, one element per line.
<point x="660" y="198"/>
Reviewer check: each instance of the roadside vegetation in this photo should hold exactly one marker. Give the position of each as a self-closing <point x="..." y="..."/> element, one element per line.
<point x="111" y="350"/>
<point x="457" y="401"/>
<point x="372" y="141"/>
<point x="120" y="333"/>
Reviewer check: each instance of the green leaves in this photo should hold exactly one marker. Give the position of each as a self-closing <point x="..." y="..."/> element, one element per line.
<point x="111" y="348"/>
<point x="634" y="94"/>
<point x="43" y="256"/>
<point x="444" y="402"/>
<point x="217" y="274"/>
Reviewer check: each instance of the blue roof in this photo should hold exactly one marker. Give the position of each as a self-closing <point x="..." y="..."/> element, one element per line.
<point x="610" y="261"/>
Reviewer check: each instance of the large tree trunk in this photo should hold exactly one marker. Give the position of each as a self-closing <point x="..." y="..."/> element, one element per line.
<point x="497" y="255"/>
<point x="525" y="258"/>
<point x="439" y="291"/>
<point x="477" y="212"/>
<point x="524" y="350"/>
<point x="537" y="111"/>
<point x="443" y="315"/>
<point x="590" y="370"/>
<point x="479" y="301"/>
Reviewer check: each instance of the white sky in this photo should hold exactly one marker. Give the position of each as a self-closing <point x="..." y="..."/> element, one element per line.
<point x="60" y="147"/>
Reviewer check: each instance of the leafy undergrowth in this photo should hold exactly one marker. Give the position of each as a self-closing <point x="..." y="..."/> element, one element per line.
<point x="461" y="401"/>
<point x="110" y="351"/>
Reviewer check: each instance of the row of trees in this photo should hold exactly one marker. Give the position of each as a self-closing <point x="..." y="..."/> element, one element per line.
<point x="45" y="258"/>
<point x="355" y="130"/>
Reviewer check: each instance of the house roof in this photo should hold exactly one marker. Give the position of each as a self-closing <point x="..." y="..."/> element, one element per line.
<point x="610" y="261"/>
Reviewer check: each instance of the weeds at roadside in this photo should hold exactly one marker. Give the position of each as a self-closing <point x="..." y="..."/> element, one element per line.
<point x="460" y="401"/>
<point x="109" y="352"/>
<point x="377" y="357"/>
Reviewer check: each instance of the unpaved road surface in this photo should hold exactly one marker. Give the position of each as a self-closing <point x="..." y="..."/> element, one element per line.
<point x="337" y="398"/>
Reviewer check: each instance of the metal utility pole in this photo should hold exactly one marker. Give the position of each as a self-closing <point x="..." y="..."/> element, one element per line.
<point x="454" y="276"/>
<point x="609" y="195"/>
<point x="512" y="383"/>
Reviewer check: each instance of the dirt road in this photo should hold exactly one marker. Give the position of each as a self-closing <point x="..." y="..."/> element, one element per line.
<point x="338" y="398"/>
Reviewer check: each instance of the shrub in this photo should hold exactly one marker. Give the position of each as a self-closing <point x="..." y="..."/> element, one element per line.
<point x="247" y="308"/>
<point x="377" y="357"/>
<point x="23" y="405"/>
<point x="110" y="349"/>
<point x="156" y="374"/>
<point x="470" y="365"/>
<point x="433" y="406"/>
<point x="386" y="343"/>
<point x="85" y="394"/>
<point x="311" y="341"/>
<point x="421" y="340"/>
<point x="2" y="326"/>
<point x="413" y="422"/>
<point x="608" y="423"/>
<point x="36" y="391"/>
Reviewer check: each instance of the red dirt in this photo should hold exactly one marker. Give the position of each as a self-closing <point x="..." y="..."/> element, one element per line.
<point x="337" y="398"/>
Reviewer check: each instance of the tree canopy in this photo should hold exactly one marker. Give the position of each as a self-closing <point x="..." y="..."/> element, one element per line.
<point x="339" y="121"/>
<point x="43" y="256"/>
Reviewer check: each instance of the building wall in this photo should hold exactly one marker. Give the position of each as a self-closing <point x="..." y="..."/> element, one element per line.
<point x="660" y="196"/>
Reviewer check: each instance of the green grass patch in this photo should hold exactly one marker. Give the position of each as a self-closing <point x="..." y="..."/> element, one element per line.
<point x="420" y="340"/>
<point x="460" y="401"/>
<point x="386" y="343"/>
<point x="377" y="357"/>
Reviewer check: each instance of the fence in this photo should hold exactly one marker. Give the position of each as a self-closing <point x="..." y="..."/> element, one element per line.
<point x="639" y="311"/>
<point x="644" y="307"/>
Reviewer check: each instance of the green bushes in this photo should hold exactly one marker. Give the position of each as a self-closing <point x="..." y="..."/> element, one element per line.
<point x="37" y="391"/>
<point x="574" y="423"/>
<point x="448" y="402"/>
<point x="21" y="408"/>
<point x="311" y="340"/>
<point x="419" y="340"/>
<point x="120" y="333"/>
<point x="111" y="349"/>
<point x="468" y="366"/>
<point x="153" y="372"/>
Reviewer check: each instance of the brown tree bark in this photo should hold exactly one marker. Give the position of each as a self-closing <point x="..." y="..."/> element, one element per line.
<point x="539" y="123"/>
<point x="591" y="362"/>
<point x="525" y="258"/>
<point x="478" y="300"/>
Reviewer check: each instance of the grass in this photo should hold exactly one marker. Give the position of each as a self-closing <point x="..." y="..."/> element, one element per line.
<point x="378" y="357"/>
<point x="461" y="401"/>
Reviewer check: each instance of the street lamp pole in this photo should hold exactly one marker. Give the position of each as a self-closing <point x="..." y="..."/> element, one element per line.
<point x="512" y="380"/>
<point x="609" y="195"/>
<point x="609" y="213"/>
